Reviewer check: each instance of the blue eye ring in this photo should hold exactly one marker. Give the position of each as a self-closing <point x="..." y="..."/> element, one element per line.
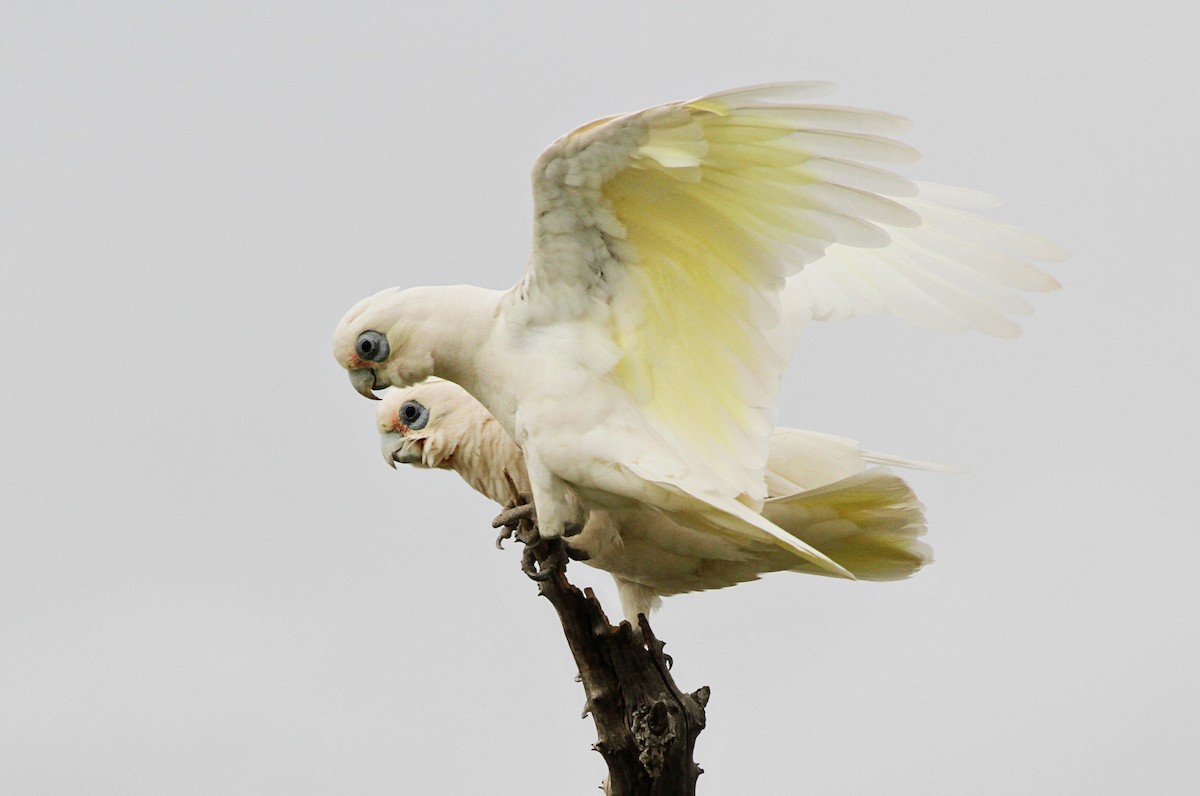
<point x="372" y="346"/>
<point x="414" y="415"/>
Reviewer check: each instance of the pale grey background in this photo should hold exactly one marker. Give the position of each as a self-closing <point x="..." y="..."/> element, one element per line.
<point x="210" y="583"/>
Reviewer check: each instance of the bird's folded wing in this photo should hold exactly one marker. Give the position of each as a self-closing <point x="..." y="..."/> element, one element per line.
<point x="730" y="519"/>
<point x="674" y="230"/>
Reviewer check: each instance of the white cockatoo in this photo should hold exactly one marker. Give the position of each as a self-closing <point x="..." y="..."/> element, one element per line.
<point x="820" y="491"/>
<point x="637" y="362"/>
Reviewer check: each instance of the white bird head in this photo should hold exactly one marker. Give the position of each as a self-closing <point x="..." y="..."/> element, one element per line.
<point x="437" y="424"/>
<point x="395" y="337"/>
<point x="423" y="425"/>
<point x="372" y="342"/>
<point x="410" y="431"/>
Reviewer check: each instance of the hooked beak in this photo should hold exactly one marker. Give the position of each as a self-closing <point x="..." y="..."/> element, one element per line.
<point x="398" y="448"/>
<point x="363" y="380"/>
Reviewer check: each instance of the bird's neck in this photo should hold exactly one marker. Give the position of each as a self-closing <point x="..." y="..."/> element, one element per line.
<point x="467" y="345"/>
<point x="484" y="454"/>
<point x="454" y="324"/>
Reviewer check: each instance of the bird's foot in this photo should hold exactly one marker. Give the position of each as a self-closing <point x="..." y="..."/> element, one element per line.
<point x="519" y="517"/>
<point x="543" y="558"/>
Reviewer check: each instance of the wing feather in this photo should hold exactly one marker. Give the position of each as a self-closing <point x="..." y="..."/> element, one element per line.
<point x="954" y="271"/>
<point x="848" y="174"/>
<point x="676" y="229"/>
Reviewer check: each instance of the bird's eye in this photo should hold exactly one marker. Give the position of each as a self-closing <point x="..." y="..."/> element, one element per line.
<point x="372" y="346"/>
<point x="414" y="415"/>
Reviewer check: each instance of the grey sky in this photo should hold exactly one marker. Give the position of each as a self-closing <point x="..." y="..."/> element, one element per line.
<point x="209" y="582"/>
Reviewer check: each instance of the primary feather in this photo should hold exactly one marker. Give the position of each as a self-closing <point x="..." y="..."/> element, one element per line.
<point x="637" y="363"/>
<point x="867" y="519"/>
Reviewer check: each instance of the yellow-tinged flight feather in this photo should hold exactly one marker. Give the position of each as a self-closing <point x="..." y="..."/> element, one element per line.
<point x="713" y="212"/>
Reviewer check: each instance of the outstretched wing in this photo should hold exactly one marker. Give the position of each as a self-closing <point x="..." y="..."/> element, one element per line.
<point x="957" y="271"/>
<point x="675" y="228"/>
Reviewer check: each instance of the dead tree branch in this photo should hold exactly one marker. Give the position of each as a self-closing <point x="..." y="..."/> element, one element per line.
<point x="646" y="726"/>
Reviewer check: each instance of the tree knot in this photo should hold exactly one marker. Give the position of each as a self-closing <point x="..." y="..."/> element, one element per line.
<point x="653" y="729"/>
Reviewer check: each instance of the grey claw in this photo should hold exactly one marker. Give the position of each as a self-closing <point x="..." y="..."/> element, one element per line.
<point x="505" y="533"/>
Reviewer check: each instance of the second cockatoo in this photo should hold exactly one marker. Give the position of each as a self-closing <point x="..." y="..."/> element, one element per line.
<point x="820" y="491"/>
<point x="637" y="363"/>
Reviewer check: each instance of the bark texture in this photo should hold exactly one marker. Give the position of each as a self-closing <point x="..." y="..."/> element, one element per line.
<point x="646" y="726"/>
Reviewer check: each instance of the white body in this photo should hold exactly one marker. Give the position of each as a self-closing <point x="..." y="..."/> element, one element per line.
<point x="821" y="490"/>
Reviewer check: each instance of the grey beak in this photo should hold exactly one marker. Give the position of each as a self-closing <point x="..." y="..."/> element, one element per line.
<point x="398" y="448"/>
<point x="363" y="380"/>
<point x="389" y="444"/>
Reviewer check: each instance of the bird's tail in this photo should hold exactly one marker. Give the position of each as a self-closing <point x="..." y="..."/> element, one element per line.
<point x="868" y="522"/>
<point x="636" y="598"/>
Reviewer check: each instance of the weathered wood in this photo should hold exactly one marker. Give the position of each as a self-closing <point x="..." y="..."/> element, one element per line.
<point x="646" y="726"/>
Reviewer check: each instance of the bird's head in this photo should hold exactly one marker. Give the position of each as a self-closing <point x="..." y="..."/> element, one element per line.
<point x="372" y="342"/>
<point x="422" y="425"/>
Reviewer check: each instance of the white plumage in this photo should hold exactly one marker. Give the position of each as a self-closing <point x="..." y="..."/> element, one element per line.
<point x="637" y="363"/>
<point x="821" y="492"/>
